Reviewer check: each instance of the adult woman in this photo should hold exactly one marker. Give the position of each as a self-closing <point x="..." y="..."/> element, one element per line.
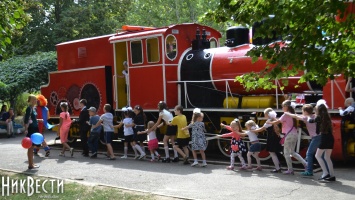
<point x="31" y="126"/>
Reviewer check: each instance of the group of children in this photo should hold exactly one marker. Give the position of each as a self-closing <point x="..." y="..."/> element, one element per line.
<point x="319" y="127"/>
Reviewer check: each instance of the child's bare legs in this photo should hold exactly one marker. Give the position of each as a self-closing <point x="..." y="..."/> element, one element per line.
<point x="125" y="150"/>
<point x="177" y="148"/>
<point x="256" y="156"/>
<point x="166" y="145"/>
<point x="152" y="154"/>
<point x="186" y="151"/>
<point x="249" y="159"/>
<point x="172" y="139"/>
<point x="194" y="154"/>
<point x="203" y="155"/>
<point x="110" y="150"/>
<point x="65" y="146"/>
<point x="30" y="156"/>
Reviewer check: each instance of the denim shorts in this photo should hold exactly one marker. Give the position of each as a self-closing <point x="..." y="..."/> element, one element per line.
<point x="256" y="147"/>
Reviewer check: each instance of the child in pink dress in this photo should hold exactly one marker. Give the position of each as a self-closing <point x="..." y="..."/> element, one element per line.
<point x="237" y="145"/>
<point x="64" y="126"/>
<point x="153" y="144"/>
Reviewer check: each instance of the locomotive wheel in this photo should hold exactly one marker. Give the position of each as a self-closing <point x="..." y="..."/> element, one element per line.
<point x="224" y="146"/>
<point x="264" y="155"/>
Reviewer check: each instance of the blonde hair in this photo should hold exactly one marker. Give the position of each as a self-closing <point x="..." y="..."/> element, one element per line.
<point x="150" y="124"/>
<point x="267" y="111"/>
<point x="30" y="97"/>
<point x="237" y="124"/>
<point x="348" y="101"/>
<point x="250" y="123"/>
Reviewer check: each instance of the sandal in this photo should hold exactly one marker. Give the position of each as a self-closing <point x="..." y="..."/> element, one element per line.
<point x="33" y="167"/>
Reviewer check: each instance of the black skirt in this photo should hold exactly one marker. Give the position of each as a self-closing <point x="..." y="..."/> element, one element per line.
<point x="139" y="137"/>
<point x="326" y="141"/>
<point x="273" y="141"/>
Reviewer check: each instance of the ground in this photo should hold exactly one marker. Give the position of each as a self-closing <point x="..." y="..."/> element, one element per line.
<point x="175" y="180"/>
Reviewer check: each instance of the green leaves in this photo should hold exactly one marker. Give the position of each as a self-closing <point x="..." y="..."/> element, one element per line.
<point x="12" y="20"/>
<point x="315" y="41"/>
<point x="26" y="73"/>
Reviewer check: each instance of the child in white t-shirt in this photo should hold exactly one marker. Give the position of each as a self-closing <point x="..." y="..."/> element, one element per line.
<point x="255" y="146"/>
<point x="153" y="144"/>
<point x="129" y="134"/>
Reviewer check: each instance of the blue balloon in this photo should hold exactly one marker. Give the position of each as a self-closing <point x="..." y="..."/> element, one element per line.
<point x="37" y="138"/>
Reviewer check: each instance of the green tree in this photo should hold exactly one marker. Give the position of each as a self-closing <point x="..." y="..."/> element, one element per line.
<point x="314" y="41"/>
<point x="12" y="20"/>
<point x="25" y="74"/>
<point x="158" y="13"/>
<point x="56" y="21"/>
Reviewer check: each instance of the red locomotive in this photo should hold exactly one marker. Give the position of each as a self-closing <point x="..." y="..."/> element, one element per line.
<point x="181" y="64"/>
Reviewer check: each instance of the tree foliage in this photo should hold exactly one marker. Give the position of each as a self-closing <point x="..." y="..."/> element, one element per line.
<point x="158" y="13"/>
<point x="12" y="20"/>
<point x="56" y="21"/>
<point x="26" y="73"/>
<point x="312" y="40"/>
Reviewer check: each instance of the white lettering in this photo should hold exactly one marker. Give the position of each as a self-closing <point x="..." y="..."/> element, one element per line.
<point x="52" y="184"/>
<point x="14" y="188"/>
<point x="22" y="186"/>
<point x="37" y="186"/>
<point x="30" y="189"/>
<point x="43" y="186"/>
<point x="60" y="185"/>
<point x="5" y="185"/>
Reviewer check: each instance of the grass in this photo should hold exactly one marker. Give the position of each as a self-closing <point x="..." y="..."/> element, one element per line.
<point x="74" y="190"/>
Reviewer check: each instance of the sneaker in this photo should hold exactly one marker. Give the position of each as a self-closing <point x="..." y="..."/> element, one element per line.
<point x="289" y="172"/>
<point x="48" y="152"/>
<point x="204" y="165"/>
<point x="259" y="169"/>
<point x="230" y="168"/>
<point x="142" y="156"/>
<point x="135" y="157"/>
<point x="176" y="159"/>
<point x="276" y="171"/>
<point x="33" y="167"/>
<point x="124" y="157"/>
<point x="330" y="178"/>
<point x="243" y="167"/>
<point x="152" y="160"/>
<point x="113" y="158"/>
<point x="166" y="160"/>
<point x="61" y="154"/>
<point x="306" y="173"/>
<point x="194" y="164"/>
<point x="72" y="152"/>
<point x="324" y="177"/>
<point x="94" y="155"/>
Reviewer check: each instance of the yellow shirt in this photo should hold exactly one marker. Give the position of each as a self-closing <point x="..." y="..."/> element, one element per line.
<point x="181" y="122"/>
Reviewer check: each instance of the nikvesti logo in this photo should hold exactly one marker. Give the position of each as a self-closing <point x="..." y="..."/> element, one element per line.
<point x="30" y="186"/>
